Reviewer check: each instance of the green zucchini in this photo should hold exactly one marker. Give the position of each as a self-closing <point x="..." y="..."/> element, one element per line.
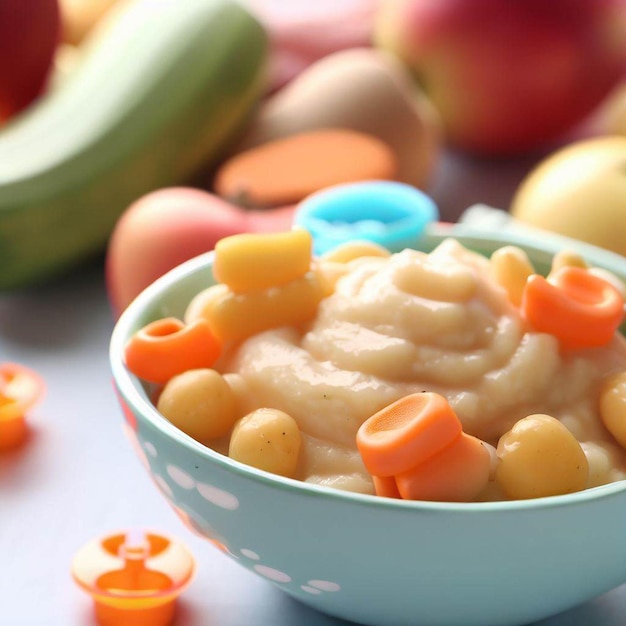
<point x="161" y="89"/>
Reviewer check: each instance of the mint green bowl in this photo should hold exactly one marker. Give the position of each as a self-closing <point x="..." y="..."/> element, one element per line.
<point x="379" y="561"/>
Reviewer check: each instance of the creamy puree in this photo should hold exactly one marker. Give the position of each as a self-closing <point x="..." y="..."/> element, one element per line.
<point x="414" y="322"/>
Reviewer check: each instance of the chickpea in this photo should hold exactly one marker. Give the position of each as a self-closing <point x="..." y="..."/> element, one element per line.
<point x="267" y="439"/>
<point x="203" y="302"/>
<point x="346" y="252"/>
<point x="613" y="407"/>
<point x="599" y="459"/>
<point x="200" y="403"/>
<point x="567" y="258"/>
<point x="511" y="268"/>
<point x="540" y="457"/>
<point x="328" y="273"/>
<point x="233" y="317"/>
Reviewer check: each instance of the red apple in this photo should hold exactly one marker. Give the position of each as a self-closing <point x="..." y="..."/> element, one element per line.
<point x="164" y="228"/>
<point x="508" y="76"/>
<point x="30" y="31"/>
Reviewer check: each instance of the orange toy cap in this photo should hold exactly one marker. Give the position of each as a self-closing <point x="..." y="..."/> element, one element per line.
<point x="20" y="389"/>
<point x="134" y="578"/>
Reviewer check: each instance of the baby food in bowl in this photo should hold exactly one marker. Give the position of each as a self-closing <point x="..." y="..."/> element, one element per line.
<point x="442" y="375"/>
<point x="498" y="560"/>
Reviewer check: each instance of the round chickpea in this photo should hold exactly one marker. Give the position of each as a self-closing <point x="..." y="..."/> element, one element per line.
<point x="567" y="258"/>
<point x="600" y="463"/>
<point x="199" y="402"/>
<point x="349" y="250"/>
<point x="328" y="274"/>
<point x="511" y="268"/>
<point x="613" y="407"/>
<point x="201" y="304"/>
<point x="267" y="439"/>
<point x="540" y="457"/>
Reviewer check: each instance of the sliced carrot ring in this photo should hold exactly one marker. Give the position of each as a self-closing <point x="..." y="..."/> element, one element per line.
<point x="167" y="347"/>
<point x="458" y="473"/>
<point x="386" y="487"/>
<point x="579" y="308"/>
<point x="406" y="433"/>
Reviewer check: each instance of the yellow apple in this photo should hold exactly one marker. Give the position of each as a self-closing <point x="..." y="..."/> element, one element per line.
<point x="579" y="191"/>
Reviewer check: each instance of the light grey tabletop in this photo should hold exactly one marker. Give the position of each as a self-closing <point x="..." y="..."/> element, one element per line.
<point x="77" y="478"/>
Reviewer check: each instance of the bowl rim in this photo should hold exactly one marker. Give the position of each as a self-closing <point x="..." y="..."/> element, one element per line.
<point x="133" y="393"/>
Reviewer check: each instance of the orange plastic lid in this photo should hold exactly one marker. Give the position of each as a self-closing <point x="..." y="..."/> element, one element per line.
<point x="20" y="389"/>
<point x="134" y="577"/>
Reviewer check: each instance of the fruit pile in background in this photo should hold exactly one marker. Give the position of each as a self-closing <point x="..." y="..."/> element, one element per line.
<point x="150" y="129"/>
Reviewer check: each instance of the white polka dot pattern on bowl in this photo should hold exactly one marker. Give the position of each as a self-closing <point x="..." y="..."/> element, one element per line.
<point x="163" y="486"/>
<point x="314" y="586"/>
<point x="273" y="574"/>
<point x="150" y="449"/>
<point x="134" y="442"/>
<point x="217" y="496"/>
<point x="185" y="480"/>
<point x="180" y="477"/>
<point x="251" y="554"/>
<point x="324" y="585"/>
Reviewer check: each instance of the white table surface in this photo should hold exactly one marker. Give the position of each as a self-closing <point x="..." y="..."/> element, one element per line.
<point x="77" y="478"/>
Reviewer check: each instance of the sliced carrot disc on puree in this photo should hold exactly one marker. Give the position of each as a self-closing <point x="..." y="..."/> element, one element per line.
<point x="406" y="433"/>
<point x="579" y="308"/>
<point x="386" y="487"/>
<point x="458" y="473"/>
<point x="287" y="170"/>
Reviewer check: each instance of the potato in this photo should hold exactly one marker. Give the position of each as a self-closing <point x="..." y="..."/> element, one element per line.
<point x="363" y="90"/>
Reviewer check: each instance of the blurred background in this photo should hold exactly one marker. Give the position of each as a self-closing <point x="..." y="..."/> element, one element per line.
<point x="136" y="133"/>
<point x="519" y="106"/>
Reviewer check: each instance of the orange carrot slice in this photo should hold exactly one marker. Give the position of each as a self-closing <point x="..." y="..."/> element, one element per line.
<point x="386" y="487"/>
<point x="458" y="473"/>
<point x="579" y="308"/>
<point x="406" y="433"/>
<point x="167" y="347"/>
<point x="287" y="170"/>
